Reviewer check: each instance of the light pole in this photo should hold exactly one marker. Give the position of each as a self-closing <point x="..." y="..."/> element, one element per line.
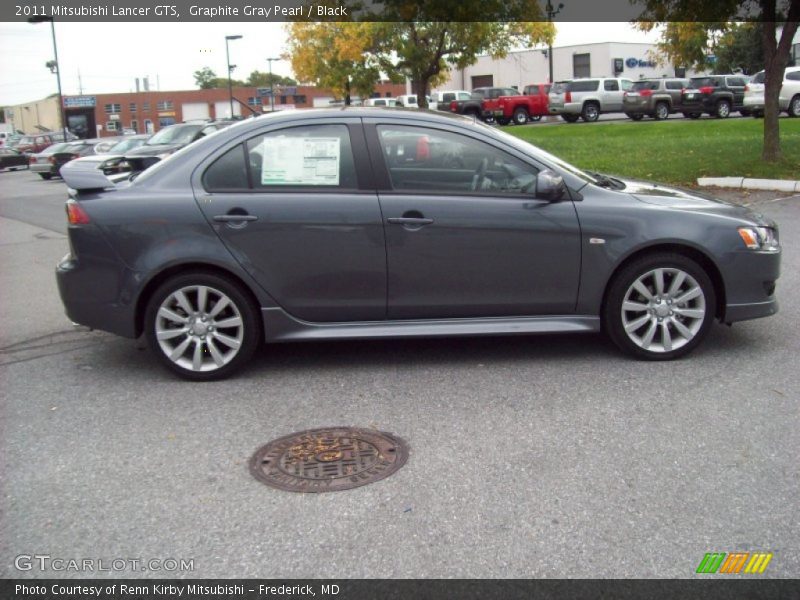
<point x="271" y="86"/>
<point x="230" y="67"/>
<point x="55" y="67"/>
<point x="551" y="12"/>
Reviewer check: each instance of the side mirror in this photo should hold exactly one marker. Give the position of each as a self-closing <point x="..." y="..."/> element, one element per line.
<point x="550" y="186"/>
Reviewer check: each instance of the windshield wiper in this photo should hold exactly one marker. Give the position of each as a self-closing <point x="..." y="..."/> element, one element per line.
<point x="606" y="181"/>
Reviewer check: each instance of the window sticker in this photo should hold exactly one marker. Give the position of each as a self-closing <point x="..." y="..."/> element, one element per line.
<point x="300" y="161"/>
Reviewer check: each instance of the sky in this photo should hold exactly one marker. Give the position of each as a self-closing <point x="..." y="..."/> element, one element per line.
<point x="170" y="53"/>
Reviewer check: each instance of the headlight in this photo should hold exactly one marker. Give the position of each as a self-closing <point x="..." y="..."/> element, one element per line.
<point x="760" y="238"/>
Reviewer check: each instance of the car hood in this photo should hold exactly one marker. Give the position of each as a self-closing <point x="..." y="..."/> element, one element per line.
<point x="691" y="200"/>
<point x="154" y="150"/>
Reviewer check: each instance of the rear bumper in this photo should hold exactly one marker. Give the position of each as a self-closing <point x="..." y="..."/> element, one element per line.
<point x="42" y="168"/>
<point x="84" y="293"/>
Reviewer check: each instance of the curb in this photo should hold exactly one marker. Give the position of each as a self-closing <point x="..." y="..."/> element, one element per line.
<point x="779" y="185"/>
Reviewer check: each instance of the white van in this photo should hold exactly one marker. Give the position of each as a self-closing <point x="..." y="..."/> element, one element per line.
<point x="380" y="102"/>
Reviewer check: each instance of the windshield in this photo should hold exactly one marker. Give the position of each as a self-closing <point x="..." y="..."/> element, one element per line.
<point x="125" y="145"/>
<point x="55" y="148"/>
<point x="178" y="134"/>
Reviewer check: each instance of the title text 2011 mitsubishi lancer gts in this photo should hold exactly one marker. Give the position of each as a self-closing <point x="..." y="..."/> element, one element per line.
<point x="373" y="223"/>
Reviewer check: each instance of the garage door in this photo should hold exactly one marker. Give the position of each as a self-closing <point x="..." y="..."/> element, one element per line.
<point x="223" y="109"/>
<point x="195" y="110"/>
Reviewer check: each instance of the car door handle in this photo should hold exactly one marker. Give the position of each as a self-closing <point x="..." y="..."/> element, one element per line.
<point x="409" y="221"/>
<point x="234" y="218"/>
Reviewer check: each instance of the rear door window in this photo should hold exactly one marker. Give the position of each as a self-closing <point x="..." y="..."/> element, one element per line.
<point x="611" y="85"/>
<point x="584" y="86"/>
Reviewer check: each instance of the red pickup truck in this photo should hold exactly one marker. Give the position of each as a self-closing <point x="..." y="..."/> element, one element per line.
<point x="518" y="108"/>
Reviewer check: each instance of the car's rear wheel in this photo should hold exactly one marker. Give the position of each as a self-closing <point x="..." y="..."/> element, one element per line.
<point x="659" y="307"/>
<point x="661" y="112"/>
<point x="591" y="112"/>
<point x="520" y="116"/>
<point x="794" y="107"/>
<point x="570" y="118"/>
<point x="723" y="109"/>
<point x="45" y="175"/>
<point x="202" y="326"/>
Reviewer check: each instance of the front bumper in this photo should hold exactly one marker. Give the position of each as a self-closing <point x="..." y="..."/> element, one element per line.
<point x="750" y="282"/>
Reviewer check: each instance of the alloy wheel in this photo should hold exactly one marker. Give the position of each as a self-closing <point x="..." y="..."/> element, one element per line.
<point x="663" y="310"/>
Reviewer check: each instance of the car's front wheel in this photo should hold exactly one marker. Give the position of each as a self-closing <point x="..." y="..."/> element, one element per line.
<point x="659" y="307"/>
<point x="45" y="176"/>
<point x="202" y="326"/>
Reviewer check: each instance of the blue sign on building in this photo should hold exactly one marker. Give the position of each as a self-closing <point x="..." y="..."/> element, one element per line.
<point x="79" y="101"/>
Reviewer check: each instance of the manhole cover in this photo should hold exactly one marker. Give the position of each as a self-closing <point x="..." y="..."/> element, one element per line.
<point x="329" y="459"/>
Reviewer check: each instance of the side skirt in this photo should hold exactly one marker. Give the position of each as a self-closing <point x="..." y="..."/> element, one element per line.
<point x="279" y="326"/>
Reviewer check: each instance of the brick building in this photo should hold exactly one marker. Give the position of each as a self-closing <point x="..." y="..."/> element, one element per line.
<point x="109" y="114"/>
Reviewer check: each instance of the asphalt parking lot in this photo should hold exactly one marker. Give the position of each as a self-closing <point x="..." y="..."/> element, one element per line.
<point x="551" y="456"/>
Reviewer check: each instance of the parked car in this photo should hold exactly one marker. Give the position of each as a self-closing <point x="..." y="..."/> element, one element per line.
<point x="111" y="162"/>
<point x="513" y="107"/>
<point x="273" y="230"/>
<point x="11" y="159"/>
<point x="788" y="100"/>
<point x="656" y="98"/>
<point x="380" y="102"/>
<point x="441" y="100"/>
<point x="168" y="141"/>
<point x="473" y="106"/>
<point x="49" y="162"/>
<point x="43" y="163"/>
<point x="409" y="100"/>
<point x="716" y="95"/>
<point x="587" y="98"/>
<point x="33" y="144"/>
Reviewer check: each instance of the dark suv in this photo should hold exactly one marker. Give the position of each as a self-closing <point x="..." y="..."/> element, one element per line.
<point x="716" y="95"/>
<point x="657" y="98"/>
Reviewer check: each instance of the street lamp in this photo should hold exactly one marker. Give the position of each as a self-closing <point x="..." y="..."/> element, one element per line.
<point x="271" y="83"/>
<point x="230" y="67"/>
<point x="53" y="66"/>
<point x="551" y="12"/>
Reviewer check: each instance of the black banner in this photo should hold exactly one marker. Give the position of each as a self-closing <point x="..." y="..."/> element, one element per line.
<point x="400" y="589"/>
<point x="333" y="10"/>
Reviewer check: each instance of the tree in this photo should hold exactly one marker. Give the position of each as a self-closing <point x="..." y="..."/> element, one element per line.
<point x="204" y="78"/>
<point x="683" y="42"/>
<point x="740" y="48"/>
<point x="334" y="55"/>
<point x="260" y="79"/>
<point x="424" y="40"/>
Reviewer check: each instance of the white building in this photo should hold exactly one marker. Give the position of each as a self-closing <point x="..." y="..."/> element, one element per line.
<point x="605" y="59"/>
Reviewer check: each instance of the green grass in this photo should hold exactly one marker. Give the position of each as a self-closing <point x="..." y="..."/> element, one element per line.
<point x="676" y="151"/>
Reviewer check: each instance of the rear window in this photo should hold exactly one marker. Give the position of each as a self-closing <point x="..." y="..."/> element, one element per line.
<point x="736" y="81"/>
<point x="559" y="87"/>
<point x="638" y="86"/>
<point x="583" y="86"/>
<point x="760" y="77"/>
<point x="793" y="76"/>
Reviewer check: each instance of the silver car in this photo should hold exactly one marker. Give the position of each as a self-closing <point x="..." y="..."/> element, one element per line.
<point x="788" y="100"/>
<point x="587" y="98"/>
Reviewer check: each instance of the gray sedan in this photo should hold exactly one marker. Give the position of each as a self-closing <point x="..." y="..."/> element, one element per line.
<point x="374" y="223"/>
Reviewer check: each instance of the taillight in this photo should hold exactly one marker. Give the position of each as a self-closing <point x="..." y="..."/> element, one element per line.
<point x="454" y="106"/>
<point x="646" y="93"/>
<point x="52" y="160"/>
<point x="568" y="97"/>
<point x="706" y="89"/>
<point x="76" y="215"/>
<point x="747" y="88"/>
<point x="31" y="159"/>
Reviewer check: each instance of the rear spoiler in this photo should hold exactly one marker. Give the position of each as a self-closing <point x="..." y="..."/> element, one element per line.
<point x="82" y="179"/>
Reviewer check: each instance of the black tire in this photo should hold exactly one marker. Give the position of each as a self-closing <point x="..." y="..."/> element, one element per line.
<point x="635" y="116"/>
<point x="241" y="306"/>
<point x="623" y="281"/>
<point x="745" y="112"/>
<point x="723" y="109"/>
<point x="590" y="112"/>
<point x="46" y="176"/>
<point x="502" y="121"/>
<point x="758" y="114"/>
<point x="570" y="118"/>
<point x="794" y="107"/>
<point x="520" y="116"/>
<point x="661" y="112"/>
<point x="535" y="118"/>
